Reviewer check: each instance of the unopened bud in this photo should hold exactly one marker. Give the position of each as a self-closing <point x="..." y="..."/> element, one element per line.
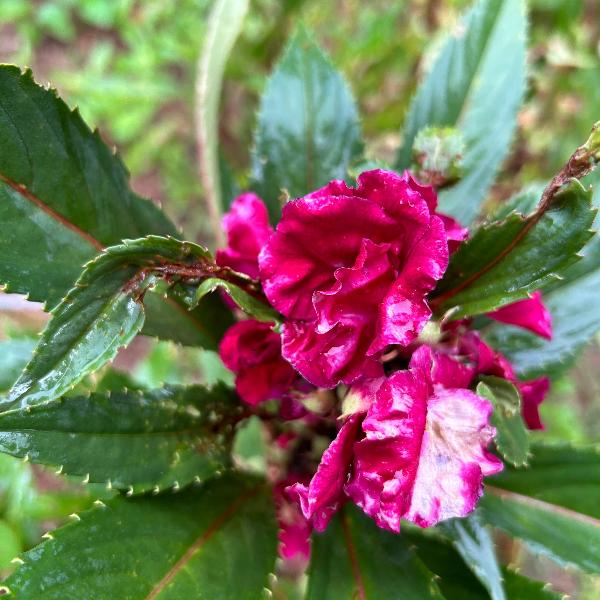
<point x="438" y="153"/>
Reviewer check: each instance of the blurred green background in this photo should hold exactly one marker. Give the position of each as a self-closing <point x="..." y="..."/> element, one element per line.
<point x="130" y="67"/>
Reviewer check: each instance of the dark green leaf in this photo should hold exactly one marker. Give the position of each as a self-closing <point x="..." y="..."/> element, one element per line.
<point x="64" y="196"/>
<point x="14" y="355"/>
<point x="512" y="438"/>
<point x="249" y="304"/>
<point x="353" y="558"/>
<point x="474" y="543"/>
<point x="135" y="440"/>
<point x="572" y="302"/>
<point x="308" y="130"/>
<point x="522" y="588"/>
<point x="503" y="262"/>
<point x="102" y="313"/>
<point x="476" y="84"/>
<point x="568" y="537"/>
<point x="560" y="474"/>
<point x="215" y="543"/>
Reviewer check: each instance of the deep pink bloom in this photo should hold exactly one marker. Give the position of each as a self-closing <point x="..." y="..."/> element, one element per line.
<point x="350" y="268"/>
<point x="252" y="350"/>
<point x="530" y="314"/>
<point x="324" y="495"/>
<point x="488" y="361"/>
<point x="419" y="452"/>
<point x="424" y="453"/>
<point x="247" y="228"/>
<point x="294" y="529"/>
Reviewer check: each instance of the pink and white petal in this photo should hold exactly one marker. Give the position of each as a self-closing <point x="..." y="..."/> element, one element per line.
<point x="453" y="457"/>
<point x="533" y="394"/>
<point x="455" y="233"/>
<point x="386" y="458"/>
<point x="327" y="359"/>
<point x="323" y="496"/>
<point x="530" y="313"/>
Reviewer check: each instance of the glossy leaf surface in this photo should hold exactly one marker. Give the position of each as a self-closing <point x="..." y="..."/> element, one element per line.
<point x="308" y="129"/>
<point x="476" y="84"/>
<point x="353" y="558"/>
<point x="102" y="313"/>
<point x="214" y="543"/>
<point x="504" y="261"/>
<point x="560" y="474"/>
<point x="135" y="440"/>
<point x="538" y="524"/>
<point x="251" y="305"/>
<point x="474" y="543"/>
<point x="512" y="438"/>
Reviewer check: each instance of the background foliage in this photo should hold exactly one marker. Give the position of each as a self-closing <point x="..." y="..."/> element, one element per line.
<point x="131" y="68"/>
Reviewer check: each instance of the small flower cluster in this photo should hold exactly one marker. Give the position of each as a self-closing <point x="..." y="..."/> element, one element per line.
<point x="350" y="271"/>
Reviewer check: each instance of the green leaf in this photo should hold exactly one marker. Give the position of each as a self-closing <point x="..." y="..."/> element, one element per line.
<point x="135" y="440"/>
<point x="560" y="474"/>
<point x="512" y="438"/>
<point x="215" y="543"/>
<point x="575" y="318"/>
<point x="568" y="537"/>
<point x="474" y="543"/>
<point x="64" y="196"/>
<point x="353" y="558"/>
<point x="252" y="306"/>
<point x="477" y="85"/>
<point x="224" y="26"/>
<point x="308" y="128"/>
<point x="519" y="587"/>
<point x="102" y="313"/>
<point x="502" y="262"/>
<point x="14" y="355"/>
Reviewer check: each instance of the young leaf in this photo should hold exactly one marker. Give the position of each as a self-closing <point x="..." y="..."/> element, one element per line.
<point x="474" y="543"/>
<point x="102" y="313"/>
<point x="568" y="537"/>
<point x="559" y="474"/>
<point x="251" y="305"/>
<point x="353" y="558"/>
<point x="503" y="262"/>
<point x="64" y="196"/>
<point x="224" y="26"/>
<point x="477" y="85"/>
<point x="512" y="438"/>
<point x="308" y="129"/>
<point x="218" y="542"/>
<point x="137" y="441"/>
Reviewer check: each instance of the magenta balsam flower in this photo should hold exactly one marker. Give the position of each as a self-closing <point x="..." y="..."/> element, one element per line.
<point x="247" y="228"/>
<point x="252" y="350"/>
<point x="350" y="268"/>
<point x="419" y="453"/>
<point x="530" y="313"/>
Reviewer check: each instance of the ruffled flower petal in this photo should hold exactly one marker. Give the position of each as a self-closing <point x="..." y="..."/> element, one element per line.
<point x="424" y="453"/>
<point x="252" y="350"/>
<point x="354" y="265"/>
<point x="247" y="228"/>
<point x="533" y="394"/>
<point x="323" y="496"/>
<point x="531" y="314"/>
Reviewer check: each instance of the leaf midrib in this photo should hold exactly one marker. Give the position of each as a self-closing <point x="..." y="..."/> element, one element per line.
<point x="197" y="544"/>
